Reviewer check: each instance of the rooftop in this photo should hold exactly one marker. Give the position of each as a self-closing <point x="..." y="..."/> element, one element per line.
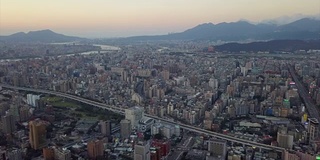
<point x="313" y="120"/>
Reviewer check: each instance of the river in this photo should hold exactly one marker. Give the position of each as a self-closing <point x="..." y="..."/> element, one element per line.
<point x="104" y="49"/>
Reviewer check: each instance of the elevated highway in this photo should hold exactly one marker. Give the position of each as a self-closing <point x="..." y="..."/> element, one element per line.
<point x="311" y="107"/>
<point x="121" y="111"/>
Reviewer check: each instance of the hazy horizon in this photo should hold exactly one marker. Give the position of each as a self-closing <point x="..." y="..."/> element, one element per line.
<point x="107" y="18"/>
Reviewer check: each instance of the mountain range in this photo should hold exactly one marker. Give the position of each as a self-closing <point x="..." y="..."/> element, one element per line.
<point x="271" y="46"/>
<point x="43" y="36"/>
<point x="302" y="29"/>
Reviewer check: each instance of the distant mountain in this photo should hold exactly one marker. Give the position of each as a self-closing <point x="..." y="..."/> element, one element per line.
<point x="282" y="20"/>
<point x="44" y="36"/>
<point x="271" y="46"/>
<point x="303" y="29"/>
<point x="304" y="24"/>
<point x="237" y="31"/>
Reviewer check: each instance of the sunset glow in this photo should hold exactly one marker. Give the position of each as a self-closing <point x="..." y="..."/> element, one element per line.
<point x="109" y="18"/>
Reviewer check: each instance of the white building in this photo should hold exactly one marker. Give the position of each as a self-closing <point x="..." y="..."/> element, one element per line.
<point x="145" y="124"/>
<point x="134" y="114"/>
<point x="168" y="131"/>
<point x="31" y="99"/>
<point x="177" y="130"/>
<point x="156" y="128"/>
<point x="214" y="83"/>
<point x="170" y="108"/>
<point x="142" y="151"/>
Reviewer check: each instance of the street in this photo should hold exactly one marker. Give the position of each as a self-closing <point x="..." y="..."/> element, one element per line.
<point x="183" y="146"/>
<point x="312" y="110"/>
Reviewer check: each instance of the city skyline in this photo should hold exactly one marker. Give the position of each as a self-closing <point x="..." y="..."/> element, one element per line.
<point x="101" y="19"/>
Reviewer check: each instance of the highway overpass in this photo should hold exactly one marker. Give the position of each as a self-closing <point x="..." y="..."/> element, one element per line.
<point x="311" y="107"/>
<point x="121" y="111"/>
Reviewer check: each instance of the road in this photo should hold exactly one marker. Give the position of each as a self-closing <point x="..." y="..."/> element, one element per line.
<point x="121" y="111"/>
<point x="184" y="145"/>
<point x="311" y="107"/>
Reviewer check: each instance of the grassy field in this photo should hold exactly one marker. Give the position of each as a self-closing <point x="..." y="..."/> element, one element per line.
<point x="60" y="102"/>
<point x="53" y="99"/>
<point x="78" y="110"/>
<point x="85" y="115"/>
<point x="64" y="104"/>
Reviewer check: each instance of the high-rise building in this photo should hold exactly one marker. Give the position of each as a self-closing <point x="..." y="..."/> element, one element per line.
<point x="217" y="147"/>
<point x="53" y="153"/>
<point x="137" y="98"/>
<point x="142" y="151"/>
<point x="167" y="131"/>
<point x="207" y="124"/>
<point x="284" y="140"/>
<point x="170" y="108"/>
<point x="95" y="149"/>
<point x="313" y="129"/>
<point x="105" y="127"/>
<point x="214" y="83"/>
<point x="163" y="145"/>
<point x="155" y="128"/>
<point x="290" y="155"/>
<point x="134" y="114"/>
<point x="193" y="117"/>
<point x="231" y="111"/>
<point x="165" y="74"/>
<point x="24" y="113"/>
<point x="31" y="99"/>
<point x="125" y="128"/>
<point x="8" y="124"/>
<point x="155" y="153"/>
<point x="208" y="115"/>
<point x="48" y="153"/>
<point x="62" y="154"/>
<point x="160" y="111"/>
<point x="177" y="130"/>
<point x="14" y="110"/>
<point x="241" y="109"/>
<point x="37" y="134"/>
<point x="124" y="75"/>
<point x="230" y="90"/>
<point x="244" y="70"/>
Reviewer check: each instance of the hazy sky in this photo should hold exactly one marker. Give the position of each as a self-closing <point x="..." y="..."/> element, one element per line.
<point x="113" y="18"/>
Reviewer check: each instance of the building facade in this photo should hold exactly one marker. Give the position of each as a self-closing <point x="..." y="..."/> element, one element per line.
<point x="142" y="151"/>
<point x="37" y="134"/>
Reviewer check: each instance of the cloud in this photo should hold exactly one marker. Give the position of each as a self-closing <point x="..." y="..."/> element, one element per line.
<point x="288" y="19"/>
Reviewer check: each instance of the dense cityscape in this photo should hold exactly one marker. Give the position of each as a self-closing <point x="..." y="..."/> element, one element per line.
<point x="163" y="93"/>
<point x="160" y="80"/>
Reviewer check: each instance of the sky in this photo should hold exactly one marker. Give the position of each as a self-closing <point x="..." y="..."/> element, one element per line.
<point x="122" y="18"/>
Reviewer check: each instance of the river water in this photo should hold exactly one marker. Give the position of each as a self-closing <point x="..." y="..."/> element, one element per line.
<point x="104" y="49"/>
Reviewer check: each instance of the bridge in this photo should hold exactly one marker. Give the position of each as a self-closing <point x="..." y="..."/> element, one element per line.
<point x="122" y="111"/>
